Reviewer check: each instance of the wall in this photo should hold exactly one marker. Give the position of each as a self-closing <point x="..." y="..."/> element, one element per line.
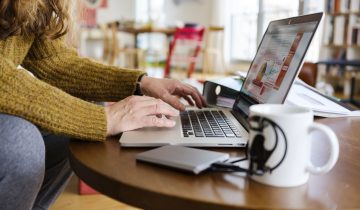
<point x="116" y="10"/>
<point x="198" y="11"/>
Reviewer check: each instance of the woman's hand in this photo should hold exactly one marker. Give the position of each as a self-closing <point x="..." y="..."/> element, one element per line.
<point x="168" y="90"/>
<point x="136" y="112"/>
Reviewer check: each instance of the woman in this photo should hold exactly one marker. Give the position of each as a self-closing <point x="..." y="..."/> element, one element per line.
<point x="37" y="111"/>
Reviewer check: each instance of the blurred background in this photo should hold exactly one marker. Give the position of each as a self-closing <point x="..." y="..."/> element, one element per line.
<point x="142" y="32"/>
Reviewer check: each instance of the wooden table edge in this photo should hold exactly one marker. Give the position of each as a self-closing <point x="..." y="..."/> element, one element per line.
<point x="130" y="194"/>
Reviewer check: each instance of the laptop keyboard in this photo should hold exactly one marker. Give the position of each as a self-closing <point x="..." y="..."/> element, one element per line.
<point x="206" y="123"/>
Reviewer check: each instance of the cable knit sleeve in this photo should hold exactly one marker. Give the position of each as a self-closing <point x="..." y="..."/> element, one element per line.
<point x="47" y="106"/>
<point x="56" y="64"/>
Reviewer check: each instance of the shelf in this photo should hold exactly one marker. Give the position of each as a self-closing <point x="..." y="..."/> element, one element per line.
<point x="342" y="13"/>
<point x="341" y="35"/>
<point x="336" y="46"/>
<point x="342" y="46"/>
<point x="354" y="46"/>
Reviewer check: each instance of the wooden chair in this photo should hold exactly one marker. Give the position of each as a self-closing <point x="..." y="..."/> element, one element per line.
<point x="106" y="43"/>
<point x="214" y="50"/>
<point x="132" y="56"/>
<point x="182" y="34"/>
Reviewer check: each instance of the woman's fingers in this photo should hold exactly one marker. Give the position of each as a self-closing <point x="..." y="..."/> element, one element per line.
<point x="193" y="92"/>
<point x="144" y="111"/>
<point x="188" y="99"/>
<point x="152" y="112"/>
<point x="136" y="112"/>
<point x="153" y="121"/>
<point x="173" y="101"/>
<point x="165" y="89"/>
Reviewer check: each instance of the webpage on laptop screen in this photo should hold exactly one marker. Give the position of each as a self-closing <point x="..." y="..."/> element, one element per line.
<point x="276" y="62"/>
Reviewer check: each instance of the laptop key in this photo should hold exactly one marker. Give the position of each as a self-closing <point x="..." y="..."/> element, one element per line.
<point x="208" y="124"/>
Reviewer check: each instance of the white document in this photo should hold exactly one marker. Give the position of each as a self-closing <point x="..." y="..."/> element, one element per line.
<point x="304" y="95"/>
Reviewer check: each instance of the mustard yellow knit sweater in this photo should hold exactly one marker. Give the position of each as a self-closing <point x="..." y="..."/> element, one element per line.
<point x="55" y="98"/>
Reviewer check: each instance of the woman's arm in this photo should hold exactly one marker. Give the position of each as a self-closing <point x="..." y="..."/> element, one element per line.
<point x="48" y="107"/>
<point x="56" y="64"/>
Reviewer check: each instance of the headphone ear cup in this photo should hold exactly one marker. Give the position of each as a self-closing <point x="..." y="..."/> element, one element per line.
<point x="257" y="145"/>
<point x="257" y="152"/>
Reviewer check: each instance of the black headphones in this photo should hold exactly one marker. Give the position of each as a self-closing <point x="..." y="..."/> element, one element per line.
<point x="256" y="151"/>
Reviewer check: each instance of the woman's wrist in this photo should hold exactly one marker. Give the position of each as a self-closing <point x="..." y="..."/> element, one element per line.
<point x="139" y="84"/>
<point x="108" y="124"/>
<point x="108" y="121"/>
<point x="143" y="83"/>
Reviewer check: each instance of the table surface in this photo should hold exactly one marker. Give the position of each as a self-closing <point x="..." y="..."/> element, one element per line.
<point x="113" y="171"/>
<point x="165" y="30"/>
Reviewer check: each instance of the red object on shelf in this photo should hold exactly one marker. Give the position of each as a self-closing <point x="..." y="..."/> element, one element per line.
<point x="104" y="4"/>
<point x="85" y="189"/>
<point x="185" y="33"/>
<point x="88" y="13"/>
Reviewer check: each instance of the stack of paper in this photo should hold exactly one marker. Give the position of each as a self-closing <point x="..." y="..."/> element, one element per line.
<point x="300" y="94"/>
<point x="304" y="95"/>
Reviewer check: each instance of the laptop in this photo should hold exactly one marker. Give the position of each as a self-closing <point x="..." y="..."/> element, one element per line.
<point x="270" y="76"/>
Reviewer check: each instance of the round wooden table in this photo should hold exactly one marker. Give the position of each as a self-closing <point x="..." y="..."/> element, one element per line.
<point x="113" y="171"/>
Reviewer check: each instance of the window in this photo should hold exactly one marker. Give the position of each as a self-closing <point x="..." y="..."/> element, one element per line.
<point x="312" y="6"/>
<point x="243" y="29"/>
<point x="248" y="20"/>
<point x="148" y="13"/>
<point x="149" y="10"/>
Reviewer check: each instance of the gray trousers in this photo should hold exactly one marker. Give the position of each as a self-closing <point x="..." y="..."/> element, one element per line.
<point x="34" y="167"/>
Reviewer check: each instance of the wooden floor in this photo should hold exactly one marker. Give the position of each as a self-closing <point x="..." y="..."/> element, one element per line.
<point x="71" y="200"/>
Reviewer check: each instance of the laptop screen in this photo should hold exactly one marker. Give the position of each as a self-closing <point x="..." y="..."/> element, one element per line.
<point x="278" y="59"/>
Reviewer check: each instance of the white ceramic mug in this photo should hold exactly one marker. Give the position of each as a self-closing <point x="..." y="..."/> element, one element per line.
<point x="279" y="147"/>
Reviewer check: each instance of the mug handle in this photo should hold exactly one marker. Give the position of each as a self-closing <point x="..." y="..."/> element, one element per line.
<point x="334" y="149"/>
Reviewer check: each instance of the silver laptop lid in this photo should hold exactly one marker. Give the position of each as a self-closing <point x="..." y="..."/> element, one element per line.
<point x="276" y="63"/>
<point x="279" y="57"/>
